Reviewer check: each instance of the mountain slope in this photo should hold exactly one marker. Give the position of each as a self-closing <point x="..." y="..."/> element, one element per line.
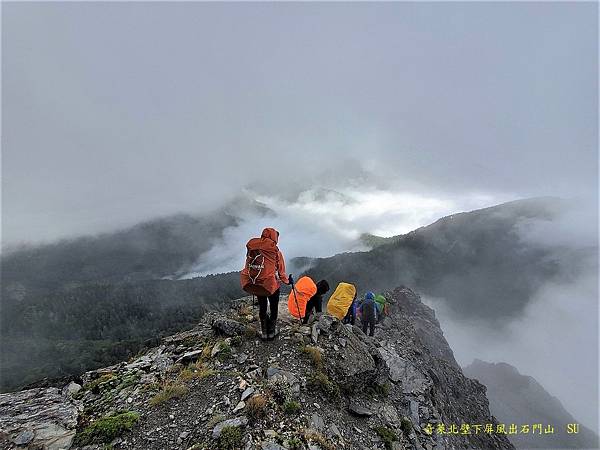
<point x="478" y="261"/>
<point x="216" y="386"/>
<point x="521" y="399"/>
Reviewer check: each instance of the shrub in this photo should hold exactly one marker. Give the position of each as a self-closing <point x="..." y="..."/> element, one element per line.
<point x="167" y="392"/>
<point x="291" y="407"/>
<point x="230" y="438"/>
<point x="319" y="380"/>
<point x="382" y="390"/>
<point x="107" y="428"/>
<point x="280" y="391"/>
<point x="256" y="406"/>
<point x="96" y="385"/>
<point x="314" y="354"/>
<point x="250" y="332"/>
<point x="386" y="435"/>
<point x="198" y="370"/>
<point x="236" y="341"/>
<point x="294" y="443"/>
<point x="225" y="352"/>
<point x="319" y="439"/>
<point x="406" y="425"/>
<point x="206" y="351"/>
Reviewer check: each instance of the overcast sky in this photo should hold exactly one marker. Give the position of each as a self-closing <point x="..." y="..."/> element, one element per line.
<point x="116" y="112"/>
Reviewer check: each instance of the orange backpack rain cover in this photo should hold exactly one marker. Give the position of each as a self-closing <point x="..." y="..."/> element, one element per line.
<point x="305" y="289"/>
<point x="263" y="261"/>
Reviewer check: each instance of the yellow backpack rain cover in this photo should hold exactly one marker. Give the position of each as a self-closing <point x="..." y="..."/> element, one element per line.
<point x="341" y="299"/>
<point x="305" y="289"/>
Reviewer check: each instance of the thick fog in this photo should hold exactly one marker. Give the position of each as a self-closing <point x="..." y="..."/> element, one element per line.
<point x="560" y="322"/>
<point x="342" y="118"/>
<point x="117" y="112"/>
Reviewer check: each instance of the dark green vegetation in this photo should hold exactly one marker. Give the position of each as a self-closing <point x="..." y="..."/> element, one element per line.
<point x="387" y="436"/>
<point x="106" y="429"/>
<point x="72" y="330"/>
<point x="231" y="438"/>
<point x="90" y="302"/>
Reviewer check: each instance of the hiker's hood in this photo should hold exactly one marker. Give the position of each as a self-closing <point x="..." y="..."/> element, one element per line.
<point x="270" y="233"/>
<point x="369" y="296"/>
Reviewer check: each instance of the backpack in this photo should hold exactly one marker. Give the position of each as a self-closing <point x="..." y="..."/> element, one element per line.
<point x="368" y="309"/>
<point x="305" y="289"/>
<point x="258" y="275"/>
<point x="341" y="300"/>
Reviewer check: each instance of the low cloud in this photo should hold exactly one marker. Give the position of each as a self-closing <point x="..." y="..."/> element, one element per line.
<point x="321" y="222"/>
<point x="555" y="339"/>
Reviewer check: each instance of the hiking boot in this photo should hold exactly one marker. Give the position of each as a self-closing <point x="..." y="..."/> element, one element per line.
<point x="273" y="330"/>
<point x="263" y="329"/>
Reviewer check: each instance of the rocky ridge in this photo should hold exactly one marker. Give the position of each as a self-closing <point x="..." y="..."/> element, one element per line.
<point x="217" y="386"/>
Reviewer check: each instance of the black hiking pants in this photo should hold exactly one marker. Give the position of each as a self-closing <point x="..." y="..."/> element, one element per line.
<point x="369" y="324"/>
<point x="273" y="301"/>
<point x="316" y="303"/>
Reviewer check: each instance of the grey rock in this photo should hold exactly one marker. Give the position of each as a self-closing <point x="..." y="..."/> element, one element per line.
<point x="229" y="327"/>
<point x="326" y="322"/>
<point x="71" y="389"/>
<point x="237" y="422"/>
<point x="414" y="411"/>
<point x="334" y="431"/>
<point x="247" y="393"/>
<point x="359" y="410"/>
<point x="51" y="417"/>
<point x="317" y="423"/>
<point x="241" y="405"/>
<point x="413" y="381"/>
<point x="241" y="359"/>
<point x="389" y="415"/>
<point x="189" y="357"/>
<point x="24" y="438"/>
<point x="314" y="335"/>
<point x="269" y="445"/>
<point x="353" y="364"/>
<point x="162" y="363"/>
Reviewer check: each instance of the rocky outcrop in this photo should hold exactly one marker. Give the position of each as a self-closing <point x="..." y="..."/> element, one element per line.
<point x="426" y="325"/>
<point x="321" y="386"/>
<point x="38" y="418"/>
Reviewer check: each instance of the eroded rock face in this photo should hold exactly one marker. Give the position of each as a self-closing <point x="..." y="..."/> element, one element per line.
<point x="347" y="359"/>
<point x="39" y="418"/>
<point x="403" y="371"/>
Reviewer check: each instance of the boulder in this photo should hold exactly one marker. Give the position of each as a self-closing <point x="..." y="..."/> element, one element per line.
<point x="351" y="364"/>
<point x="71" y="389"/>
<point x="228" y="327"/>
<point x="39" y="418"/>
<point x="359" y="410"/>
<point x="402" y="370"/>
<point x="237" y="422"/>
<point x="190" y="357"/>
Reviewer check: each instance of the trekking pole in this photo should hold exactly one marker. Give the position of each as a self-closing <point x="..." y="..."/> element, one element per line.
<point x="295" y="298"/>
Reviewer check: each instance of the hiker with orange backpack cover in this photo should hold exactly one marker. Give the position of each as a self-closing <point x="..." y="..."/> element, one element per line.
<point x="264" y="269"/>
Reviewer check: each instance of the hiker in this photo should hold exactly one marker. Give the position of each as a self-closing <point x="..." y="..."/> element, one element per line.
<point x="264" y="269"/>
<point x="368" y="310"/>
<point x="342" y="304"/>
<point x="301" y="293"/>
<point x="350" y="316"/>
<point x="380" y="302"/>
<point x="316" y="301"/>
